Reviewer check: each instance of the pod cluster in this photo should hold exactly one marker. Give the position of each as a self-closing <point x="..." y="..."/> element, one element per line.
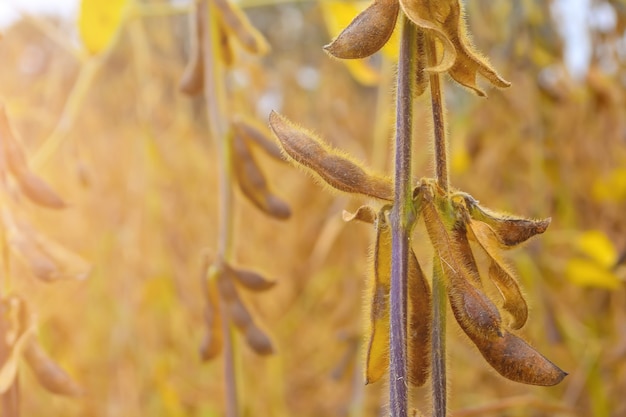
<point x="222" y="289"/>
<point x="440" y="20"/>
<point x="452" y="219"/>
<point x="245" y="139"/>
<point x="46" y="259"/>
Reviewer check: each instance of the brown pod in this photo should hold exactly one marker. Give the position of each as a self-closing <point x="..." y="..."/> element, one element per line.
<point x="516" y="360"/>
<point x="237" y="24"/>
<point x="367" y="33"/>
<point x="474" y="310"/>
<point x="239" y="314"/>
<point x="258" y="340"/>
<point x="37" y="190"/>
<point x="252" y="182"/>
<point x="237" y="310"/>
<point x="226" y="287"/>
<point x="33" y="187"/>
<point x="192" y="81"/>
<point x="255" y="134"/>
<point x="250" y="279"/>
<point x="445" y="226"/>
<point x="377" y="356"/>
<point x="48" y="260"/>
<point x="510" y="230"/>
<point x="336" y="169"/>
<point x="49" y="374"/>
<point x="419" y="319"/>
<point x="500" y="274"/>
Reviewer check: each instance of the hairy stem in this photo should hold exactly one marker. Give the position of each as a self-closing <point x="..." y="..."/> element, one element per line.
<point x="438" y="346"/>
<point x="402" y="218"/>
<point x="215" y="97"/>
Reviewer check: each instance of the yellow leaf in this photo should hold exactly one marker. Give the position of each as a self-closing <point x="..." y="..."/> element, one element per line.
<point x="598" y="247"/>
<point x="98" y="22"/>
<point x="587" y="273"/>
<point x="612" y="188"/>
<point x="460" y="162"/>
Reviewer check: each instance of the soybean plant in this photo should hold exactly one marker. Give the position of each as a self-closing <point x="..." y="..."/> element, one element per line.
<point x="407" y="313"/>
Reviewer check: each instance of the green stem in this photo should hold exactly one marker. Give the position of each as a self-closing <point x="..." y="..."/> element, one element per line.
<point x="438" y="347"/>
<point x="219" y="129"/>
<point x="402" y="218"/>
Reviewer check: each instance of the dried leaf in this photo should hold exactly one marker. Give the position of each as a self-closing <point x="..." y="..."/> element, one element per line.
<point x="419" y="12"/>
<point x="419" y="319"/>
<point x="367" y="33"/>
<point x="514" y="359"/>
<point x="36" y="189"/>
<point x="377" y="357"/>
<point x="443" y="20"/>
<point x="255" y="134"/>
<point x="49" y="374"/>
<point x="335" y="168"/>
<point x="237" y="24"/>
<point x="500" y="274"/>
<point x="192" y="81"/>
<point x="510" y="230"/>
<point x="363" y="214"/>
<point x="253" y="184"/>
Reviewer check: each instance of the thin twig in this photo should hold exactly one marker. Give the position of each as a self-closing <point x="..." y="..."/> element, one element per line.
<point x="402" y="218"/>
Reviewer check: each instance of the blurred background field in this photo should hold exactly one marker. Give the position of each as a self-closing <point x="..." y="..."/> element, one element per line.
<point x="132" y="158"/>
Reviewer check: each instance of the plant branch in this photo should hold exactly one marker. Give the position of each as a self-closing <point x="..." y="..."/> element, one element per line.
<point x="437" y="104"/>
<point x="402" y="218"/>
<point x="438" y="347"/>
<point x="219" y="129"/>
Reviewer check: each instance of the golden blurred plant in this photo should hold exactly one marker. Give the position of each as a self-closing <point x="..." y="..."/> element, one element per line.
<point x="215" y="26"/>
<point x="407" y="318"/>
<point x="47" y="260"/>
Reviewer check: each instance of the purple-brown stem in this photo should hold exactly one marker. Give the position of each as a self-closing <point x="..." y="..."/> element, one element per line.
<point x="438" y="342"/>
<point x="402" y="218"/>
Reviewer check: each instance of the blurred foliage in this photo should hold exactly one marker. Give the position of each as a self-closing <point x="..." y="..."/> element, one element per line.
<point x="135" y="166"/>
